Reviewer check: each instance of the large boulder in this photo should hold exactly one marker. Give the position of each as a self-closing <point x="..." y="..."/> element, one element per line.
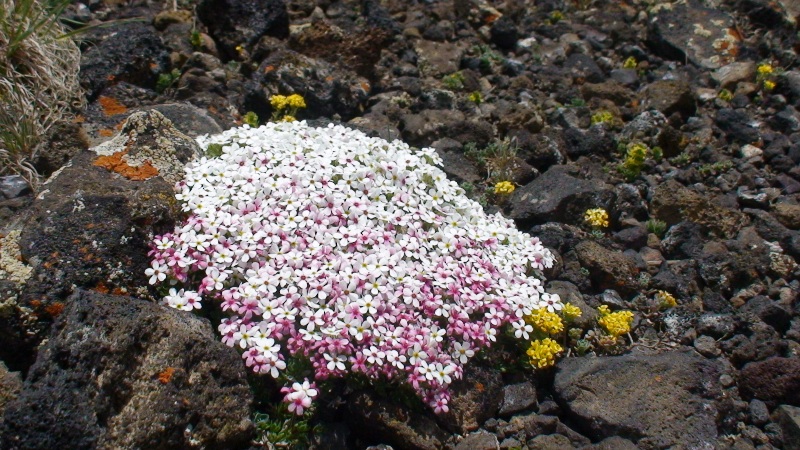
<point x="559" y="195"/>
<point x="657" y="401"/>
<point x="118" y="372"/>
<point x="774" y="380"/>
<point x="241" y="23"/>
<point x="90" y="227"/>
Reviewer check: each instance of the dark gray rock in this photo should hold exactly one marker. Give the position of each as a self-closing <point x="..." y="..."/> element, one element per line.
<point x="326" y="88"/>
<point x="608" y="269"/>
<point x="118" y="372"/>
<point x="629" y="396"/>
<point x="775" y="380"/>
<point x="584" y="67"/>
<point x="517" y="397"/>
<point x="129" y="52"/>
<point x="474" y="398"/>
<point x="695" y="33"/>
<point x="673" y="203"/>
<point x="737" y="125"/>
<point x="10" y="387"/>
<point x="669" y="97"/>
<point x="396" y="425"/>
<point x="550" y="442"/>
<point x="188" y="119"/>
<point x="504" y="33"/>
<point x="13" y="186"/>
<point x="243" y="22"/>
<point x="607" y="90"/>
<point x="596" y="140"/>
<point x="479" y="441"/>
<point x="759" y="413"/>
<point x="788" y="418"/>
<point x="558" y="195"/>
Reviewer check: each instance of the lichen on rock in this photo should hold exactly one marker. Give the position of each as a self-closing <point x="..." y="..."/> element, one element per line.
<point x="12" y="267"/>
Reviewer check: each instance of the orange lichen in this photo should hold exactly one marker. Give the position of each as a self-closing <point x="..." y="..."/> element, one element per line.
<point x="111" y="107"/>
<point x="115" y="163"/>
<point x="54" y="309"/>
<point x="166" y="375"/>
<point x="105" y="132"/>
<point x="101" y="288"/>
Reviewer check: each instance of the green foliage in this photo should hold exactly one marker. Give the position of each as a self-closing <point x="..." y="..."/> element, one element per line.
<point x="166" y="80"/>
<point x="577" y="102"/>
<point x="725" y="95"/>
<point x="282" y="429"/>
<point x="454" y="81"/>
<point x="555" y="17"/>
<point x="681" y="160"/>
<point x="635" y="157"/>
<point x="475" y="97"/>
<point x="657" y="227"/>
<point x="486" y="56"/>
<point x="602" y="117"/>
<point x="214" y="150"/>
<point x="630" y="63"/>
<point x="250" y="118"/>
<point x="195" y="39"/>
<point x="715" y="168"/>
<point x="38" y="80"/>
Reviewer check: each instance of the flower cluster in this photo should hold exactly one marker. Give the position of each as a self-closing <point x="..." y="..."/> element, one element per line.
<point x="504" y="188"/>
<point x="545" y="321"/>
<point x="597" y="217"/>
<point x="299" y="396"/>
<point x="286" y="107"/>
<point x="666" y="300"/>
<point x="615" y="324"/>
<point x="765" y="75"/>
<point x="543" y="352"/>
<point x="351" y="252"/>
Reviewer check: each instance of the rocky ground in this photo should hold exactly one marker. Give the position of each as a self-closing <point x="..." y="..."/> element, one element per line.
<point x="711" y="215"/>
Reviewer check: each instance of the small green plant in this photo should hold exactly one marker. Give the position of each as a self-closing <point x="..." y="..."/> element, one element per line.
<point x="475" y="97"/>
<point x="196" y="39"/>
<point x="555" y="17"/>
<point x="214" y="150"/>
<point x="454" y="81"/>
<point x="635" y="157"/>
<point x="681" y="160"/>
<point x="486" y="56"/>
<point x="577" y="102"/>
<point x="250" y="118"/>
<point x="602" y="116"/>
<point x="657" y="227"/>
<point x="715" y="168"/>
<point x="630" y="63"/>
<point x="167" y="80"/>
<point x="657" y="153"/>
<point x="282" y="429"/>
<point x="725" y="95"/>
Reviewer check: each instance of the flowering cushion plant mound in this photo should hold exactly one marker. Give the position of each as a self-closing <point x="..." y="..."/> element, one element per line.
<point x="353" y="252"/>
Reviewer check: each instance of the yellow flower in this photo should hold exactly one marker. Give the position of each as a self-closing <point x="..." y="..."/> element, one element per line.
<point x="288" y="118"/>
<point x="617" y="323"/>
<point x="545" y="321"/>
<point x="769" y="85"/>
<point x="630" y="63"/>
<point x="504" y="188"/>
<point x="570" y="312"/>
<point x="597" y="217"/>
<point x="666" y="300"/>
<point x="296" y="101"/>
<point x="765" y="69"/>
<point x="278" y="102"/>
<point x="543" y="352"/>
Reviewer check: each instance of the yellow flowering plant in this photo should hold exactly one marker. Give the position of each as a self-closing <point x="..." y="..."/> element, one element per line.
<point x="596" y="217"/>
<point x="285" y="107"/>
<point x="615" y="323"/>
<point x="504" y="188"/>
<point x="765" y="76"/>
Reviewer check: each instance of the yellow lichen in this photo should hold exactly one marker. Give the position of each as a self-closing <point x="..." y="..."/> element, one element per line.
<point x="11" y="266"/>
